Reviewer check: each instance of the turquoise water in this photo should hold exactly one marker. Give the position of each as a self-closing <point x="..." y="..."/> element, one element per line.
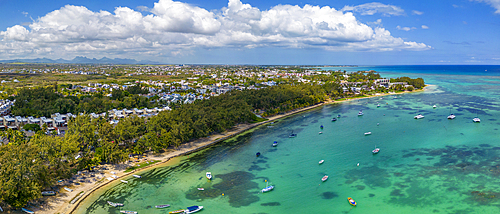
<point x="432" y="165"/>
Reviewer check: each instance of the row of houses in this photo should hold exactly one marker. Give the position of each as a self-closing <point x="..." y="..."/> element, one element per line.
<point x="59" y="122"/>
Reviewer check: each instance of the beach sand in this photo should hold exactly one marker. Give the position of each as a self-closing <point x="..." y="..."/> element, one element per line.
<point x="89" y="182"/>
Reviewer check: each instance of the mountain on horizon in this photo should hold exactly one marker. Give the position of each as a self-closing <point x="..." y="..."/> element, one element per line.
<point x="82" y="60"/>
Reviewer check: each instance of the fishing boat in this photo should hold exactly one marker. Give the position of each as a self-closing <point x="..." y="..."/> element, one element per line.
<point x="137" y="176"/>
<point x="268" y="188"/>
<point x="376" y="150"/>
<point x="257" y="154"/>
<point x="419" y="116"/>
<point x="162" y="206"/>
<point x="292" y="135"/>
<point x="321" y="161"/>
<point x="368" y="133"/>
<point x="177" y="211"/>
<point x="360" y="113"/>
<point x="209" y="175"/>
<point x="334" y="119"/>
<point x="324" y="178"/>
<point x="275" y="143"/>
<point x="201" y="189"/>
<point x="124" y="181"/>
<point x="128" y="212"/>
<point x="351" y="201"/>
<point x="27" y="211"/>
<point x="193" y="209"/>
<point x="68" y="189"/>
<point x="113" y="204"/>
<point x="48" y="193"/>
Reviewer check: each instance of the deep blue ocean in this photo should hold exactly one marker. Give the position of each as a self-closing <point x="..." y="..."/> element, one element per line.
<point x="430" y="165"/>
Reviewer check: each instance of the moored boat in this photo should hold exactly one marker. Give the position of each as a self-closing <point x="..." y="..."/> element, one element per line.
<point x="360" y="113"/>
<point x="451" y="117"/>
<point x="201" y="189"/>
<point x="320" y="133"/>
<point x="368" y="133"/>
<point x="434" y="106"/>
<point x="378" y="105"/>
<point x="275" y="143"/>
<point x="321" y="127"/>
<point x="324" y="178"/>
<point x="292" y="135"/>
<point x="376" y="150"/>
<point x="27" y="211"/>
<point x="113" y="204"/>
<point x="209" y="175"/>
<point x="419" y="116"/>
<point x="48" y="193"/>
<point x="334" y="119"/>
<point x="268" y="188"/>
<point x="128" y="212"/>
<point x="321" y="161"/>
<point x="193" y="209"/>
<point x="257" y="154"/>
<point x="162" y="206"/>
<point x="476" y="120"/>
<point x="351" y="201"/>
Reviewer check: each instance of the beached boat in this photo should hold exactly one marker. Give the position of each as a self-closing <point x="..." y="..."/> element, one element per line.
<point x="321" y="161"/>
<point x="68" y="189"/>
<point x="1" y="209"/>
<point x="268" y="188"/>
<point x="113" y="204"/>
<point x="124" y="181"/>
<point x="275" y="144"/>
<point x="48" y="193"/>
<point x="360" y="113"/>
<point x="368" y="133"/>
<point x="451" y="117"/>
<point x="209" y="175"/>
<point x="128" y="212"/>
<point x="351" y="201"/>
<point x="193" y="209"/>
<point x="376" y="150"/>
<point x="27" y="211"/>
<point x="334" y="119"/>
<point x="162" y="206"/>
<point x="137" y="176"/>
<point x="177" y="212"/>
<point x="324" y="178"/>
<point x="201" y="189"/>
<point x="419" y="116"/>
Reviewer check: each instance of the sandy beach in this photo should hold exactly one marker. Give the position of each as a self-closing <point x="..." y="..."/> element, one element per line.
<point x="85" y="183"/>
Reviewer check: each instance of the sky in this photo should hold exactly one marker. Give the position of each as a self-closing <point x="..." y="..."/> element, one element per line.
<point x="316" y="32"/>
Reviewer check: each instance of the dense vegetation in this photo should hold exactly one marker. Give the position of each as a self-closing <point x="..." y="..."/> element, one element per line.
<point x="44" y="101"/>
<point x="418" y="83"/>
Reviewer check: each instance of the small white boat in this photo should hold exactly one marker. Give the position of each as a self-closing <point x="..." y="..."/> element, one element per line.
<point x="378" y="105"/>
<point x="68" y="189"/>
<point x="434" y="106"/>
<point x="162" y="206"/>
<point x="419" y="116"/>
<point x="360" y="113"/>
<point x="209" y="175"/>
<point x="123" y="181"/>
<point x="320" y="132"/>
<point x="201" y="189"/>
<point x="137" y="176"/>
<point x="476" y="120"/>
<point x="376" y="150"/>
<point x="324" y="178"/>
<point x="27" y="211"/>
<point x="368" y="133"/>
<point x="275" y="143"/>
<point x="321" y="161"/>
<point x="193" y="209"/>
<point x="115" y="204"/>
<point x="451" y="117"/>
<point x="128" y="212"/>
<point x="268" y="188"/>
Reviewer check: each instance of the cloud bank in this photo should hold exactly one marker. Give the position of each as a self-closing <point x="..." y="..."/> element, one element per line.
<point x="494" y="3"/>
<point x="173" y="27"/>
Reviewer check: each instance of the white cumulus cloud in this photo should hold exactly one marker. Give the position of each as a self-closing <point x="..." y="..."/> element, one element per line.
<point x="174" y="28"/>
<point x="405" y="28"/>
<point x="375" y="7"/>
<point x="416" y="12"/>
<point x="425" y="27"/>
<point x="494" y="3"/>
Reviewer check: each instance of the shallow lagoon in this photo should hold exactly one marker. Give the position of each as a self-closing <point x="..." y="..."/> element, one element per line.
<point x="432" y="165"/>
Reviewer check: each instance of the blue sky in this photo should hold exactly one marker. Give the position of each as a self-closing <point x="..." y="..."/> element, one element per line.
<point x="255" y="31"/>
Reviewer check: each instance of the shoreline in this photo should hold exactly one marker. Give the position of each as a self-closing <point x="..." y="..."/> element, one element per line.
<point x="62" y="204"/>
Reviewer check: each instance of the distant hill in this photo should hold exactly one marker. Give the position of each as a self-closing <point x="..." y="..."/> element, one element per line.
<point x="82" y="60"/>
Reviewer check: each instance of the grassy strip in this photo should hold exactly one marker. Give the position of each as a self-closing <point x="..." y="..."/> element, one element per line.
<point x="259" y="119"/>
<point x="141" y="165"/>
<point x="74" y="199"/>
